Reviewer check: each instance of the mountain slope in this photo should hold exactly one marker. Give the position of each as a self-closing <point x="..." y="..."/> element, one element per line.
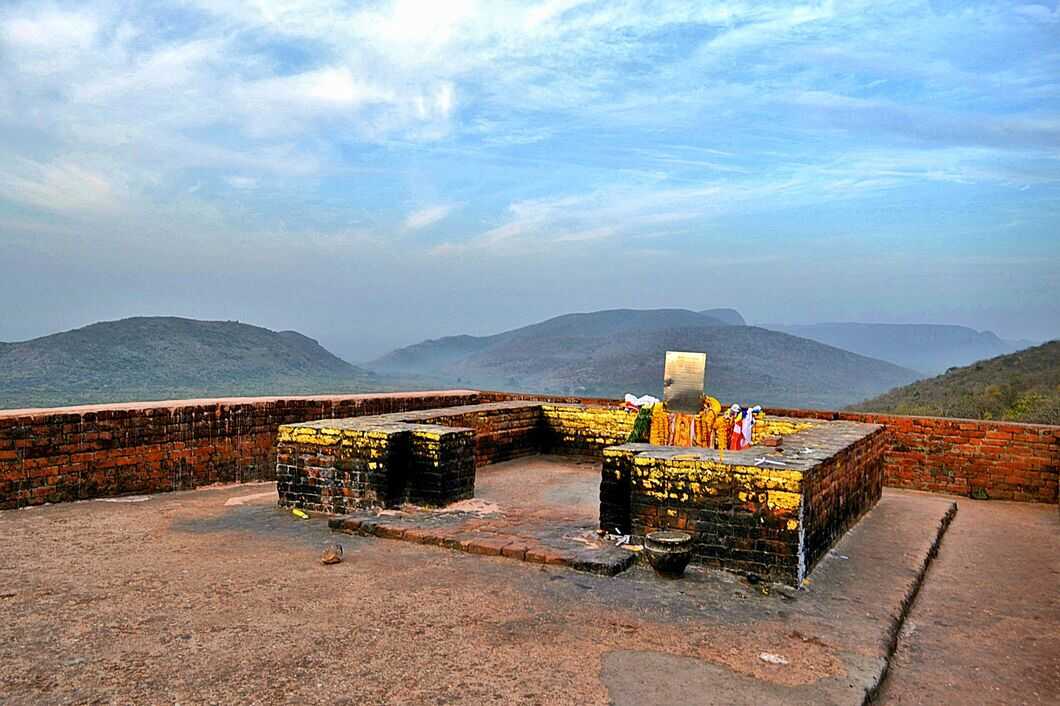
<point x="167" y="357"/>
<point x="1022" y="386"/>
<point x="726" y="316"/>
<point x="437" y="353"/>
<point x="931" y="348"/>
<point x="606" y="354"/>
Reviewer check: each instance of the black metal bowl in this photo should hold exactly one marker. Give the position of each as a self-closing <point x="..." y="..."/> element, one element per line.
<point x="668" y="552"/>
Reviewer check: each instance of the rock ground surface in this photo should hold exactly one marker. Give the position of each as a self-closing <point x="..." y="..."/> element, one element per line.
<point x="216" y="595"/>
<point x="985" y="628"/>
<point x="541" y="509"/>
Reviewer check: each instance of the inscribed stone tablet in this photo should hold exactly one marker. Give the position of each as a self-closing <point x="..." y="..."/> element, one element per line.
<point x="683" y="381"/>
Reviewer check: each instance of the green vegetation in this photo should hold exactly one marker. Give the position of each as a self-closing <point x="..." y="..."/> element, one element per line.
<point x="1020" y="387"/>
<point x="150" y="358"/>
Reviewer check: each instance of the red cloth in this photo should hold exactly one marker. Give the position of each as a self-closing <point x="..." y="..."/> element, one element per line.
<point x="736" y="437"/>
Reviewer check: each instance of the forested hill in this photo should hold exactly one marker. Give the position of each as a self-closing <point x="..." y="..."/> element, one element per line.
<point x="1022" y="386"/>
<point x="146" y="358"/>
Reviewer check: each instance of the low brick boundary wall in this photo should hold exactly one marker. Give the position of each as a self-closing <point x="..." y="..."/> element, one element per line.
<point x="76" y="453"/>
<point x="52" y="455"/>
<point x="971" y="457"/>
<point x="500" y="434"/>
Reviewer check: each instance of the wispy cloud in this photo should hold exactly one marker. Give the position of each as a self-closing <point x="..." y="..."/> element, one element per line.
<point x="558" y="129"/>
<point x="62" y="186"/>
<point x="425" y="217"/>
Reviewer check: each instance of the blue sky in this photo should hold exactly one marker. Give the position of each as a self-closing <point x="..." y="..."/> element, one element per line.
<point x="372" y="174"/>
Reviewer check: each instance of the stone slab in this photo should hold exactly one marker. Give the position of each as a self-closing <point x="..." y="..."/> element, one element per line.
<point x="985" y="629"/>
<point x="557" y="545"/>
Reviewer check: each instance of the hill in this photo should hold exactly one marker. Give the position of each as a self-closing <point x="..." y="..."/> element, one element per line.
<point x="147" y="358"/>
<point x="612" y="352"/>
<point x="436" y="354"/>
<point x="726" y="316"/>
<point x="1022" y="387"/>
<point x="930" y="348"/>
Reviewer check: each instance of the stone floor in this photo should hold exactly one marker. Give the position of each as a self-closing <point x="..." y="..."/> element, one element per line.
<point x="985" y="628"/>
<point x="216" y="595"/>
<point x="541" y="509"/>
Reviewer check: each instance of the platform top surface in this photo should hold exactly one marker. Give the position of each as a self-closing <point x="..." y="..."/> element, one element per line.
<point x="417" y="416"/>
<point x="800" y="451"/>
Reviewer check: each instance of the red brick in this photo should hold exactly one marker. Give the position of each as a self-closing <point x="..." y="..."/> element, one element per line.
<point x="389" y="531"/>
<point x="351" y="524"/>
<point x="491" y="546"/>
<point x="547" y="555"/>
<point x="515" y="550"/>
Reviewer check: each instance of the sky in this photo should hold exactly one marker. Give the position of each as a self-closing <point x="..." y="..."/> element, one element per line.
<point x="373" y="174"/>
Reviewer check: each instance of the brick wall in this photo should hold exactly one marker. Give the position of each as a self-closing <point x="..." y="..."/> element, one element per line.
<point x="970" y="457"/>
<point x="978" y="458"/>
<point x="616" y="492"/>
<point x="580" y="429"/>
<point x="87" y="452"/>
<point x="323" y="478"/>
<point x="425" y="456"/>
<point x="774" y="521"/>
<point x="339" y="470"/>
<point x="501" y="433"/>
<point x="442" y="467"/>
<point x="840" y="491"/>
<point x="733" y="512"/>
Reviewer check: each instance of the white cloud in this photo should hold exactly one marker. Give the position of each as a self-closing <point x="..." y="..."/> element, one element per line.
<point x="50" y="31"/>
<point x="62" y="186"/>
<point x="328" y="87"/>
<point x="48" y="42"/>
<point x="157" y="103"/>
<point x="428" y="216"/>
<point x="644" y="208"/>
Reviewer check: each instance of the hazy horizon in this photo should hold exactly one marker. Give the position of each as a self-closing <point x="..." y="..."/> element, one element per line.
<point x="377" y="353"/>
<point x="374" y="174"/>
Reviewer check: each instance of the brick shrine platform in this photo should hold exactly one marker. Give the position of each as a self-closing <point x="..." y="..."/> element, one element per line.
<point x="539" y="509"/>
<point x="764" y="511"/>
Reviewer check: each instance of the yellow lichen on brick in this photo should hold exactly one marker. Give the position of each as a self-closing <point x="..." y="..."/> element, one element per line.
<point x="308" y="435"/>
<point x="783" y="500"/>
<point x="772" y="426"/>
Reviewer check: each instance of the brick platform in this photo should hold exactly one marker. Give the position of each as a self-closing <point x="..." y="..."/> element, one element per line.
<point x="426" y="457"/>
<point x="429" y="456"/>
<point x="758" y="511"/>
<point x="763" y="510"/>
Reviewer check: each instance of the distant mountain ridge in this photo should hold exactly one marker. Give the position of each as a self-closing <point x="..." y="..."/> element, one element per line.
<point x="610" y="352"/>
<point x="1022" y="386"/>
<point x="433" y="354"/>
<point x="145" y="358"/>
<point x="929" y="348"/>
<point x="726" y="316"/>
